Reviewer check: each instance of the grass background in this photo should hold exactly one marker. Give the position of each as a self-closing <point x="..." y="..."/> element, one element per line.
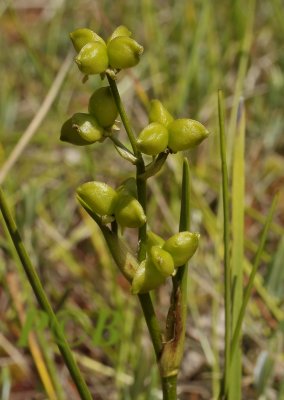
<point x="191" y="49"/>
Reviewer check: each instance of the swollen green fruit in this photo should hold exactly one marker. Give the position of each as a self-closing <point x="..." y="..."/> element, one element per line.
<point x="80" y="37"/>
<point x="158" y="113"/>
<point x="185" y="134"/>
<point x="93" y="58"/>
<point x="153" y="139"/>
<point x="123" y="52"/>
<point x="103" y="107"/>
<point x="99" y="196"/>
<point x="128" y="211"/>
<point x="82" y="129"/>
<point x="162" y="260"/>
<point x="182" y="246"/>
<point x="119" y="31"/>
<point x="146" y="278"/>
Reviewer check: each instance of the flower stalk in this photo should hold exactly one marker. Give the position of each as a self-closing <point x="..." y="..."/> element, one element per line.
<point x="126" y="207"/>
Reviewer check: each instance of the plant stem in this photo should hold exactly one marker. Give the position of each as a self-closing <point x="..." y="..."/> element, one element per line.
<point x="169" y="385"/>
<point x="119" y="144"/>
<point x="176" y="318"/>
<point x="226" y="222"/>
<point x="145" y="299"/>
<point x="152" y="323"/>
<point x="142" y="198"/>
<point x="122" y="113"/>
<point x="43" y="300"/>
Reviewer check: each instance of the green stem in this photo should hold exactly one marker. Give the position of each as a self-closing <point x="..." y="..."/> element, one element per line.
<point x="142" y="198"/>
<point x="43" y="300"/>
<point x="226" y="222"/>
<point x="169" y="385"/>
<point x="176" y="319"/>
<point x="122" y="113"/>
<point x="145" y="299"/>
<point x="152" y="323"/>
<point x="118" y="143"/>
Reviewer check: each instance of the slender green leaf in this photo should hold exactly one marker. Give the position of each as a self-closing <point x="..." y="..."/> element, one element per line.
<point x="226" y="232"/>
<point x="249" y="286"/>
<point x="238" y="194"/>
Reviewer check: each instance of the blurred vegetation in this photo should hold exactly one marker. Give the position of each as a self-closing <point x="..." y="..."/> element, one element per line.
<point x="192" y="48"/>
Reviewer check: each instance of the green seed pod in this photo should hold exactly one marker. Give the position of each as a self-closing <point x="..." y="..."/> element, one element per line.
<point x="162" y="260"/>
<point x="102" y="106"/>
<point x="158" y="113"/>
<point x="129" y="186"/>
<point x="80" y="37"/>
<point x="182" y="246"/>
<point x="153" y="240"/>
<point x="128" y="211"/>
<point x="185" y="134"/>
<point x="153" y="139"/>
<point x="99" y="196"/>
<point x="119" y="31"/>
<point x="92" y="58"/>
<point x="123" y="52"/>
<point x="146" y="278"/>
<point x="82" y="129"/>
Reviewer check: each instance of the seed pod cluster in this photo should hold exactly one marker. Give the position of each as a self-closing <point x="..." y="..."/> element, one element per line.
<point x="163" y="134"/>
<point x="95" y="55"/>
<point x="105" y="201"/>
<point x="163" y="131"/>
<point x="163" y="257"/>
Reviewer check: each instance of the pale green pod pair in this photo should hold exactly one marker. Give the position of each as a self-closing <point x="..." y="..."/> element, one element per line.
<point x="181" y="246"/>
<point x="162" y="259"/>
<point x="95" y="56"/>
<point x="105" y="201"/>
<point x="153" y="271"/>
<point x="163" y="131"/>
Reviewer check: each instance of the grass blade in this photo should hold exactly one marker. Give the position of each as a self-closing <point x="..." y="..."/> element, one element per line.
<point x="226" y="222"/>
<point x="249" y="287"/>
<point x="238" y="194"/>
<point x="242" y="70"/>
